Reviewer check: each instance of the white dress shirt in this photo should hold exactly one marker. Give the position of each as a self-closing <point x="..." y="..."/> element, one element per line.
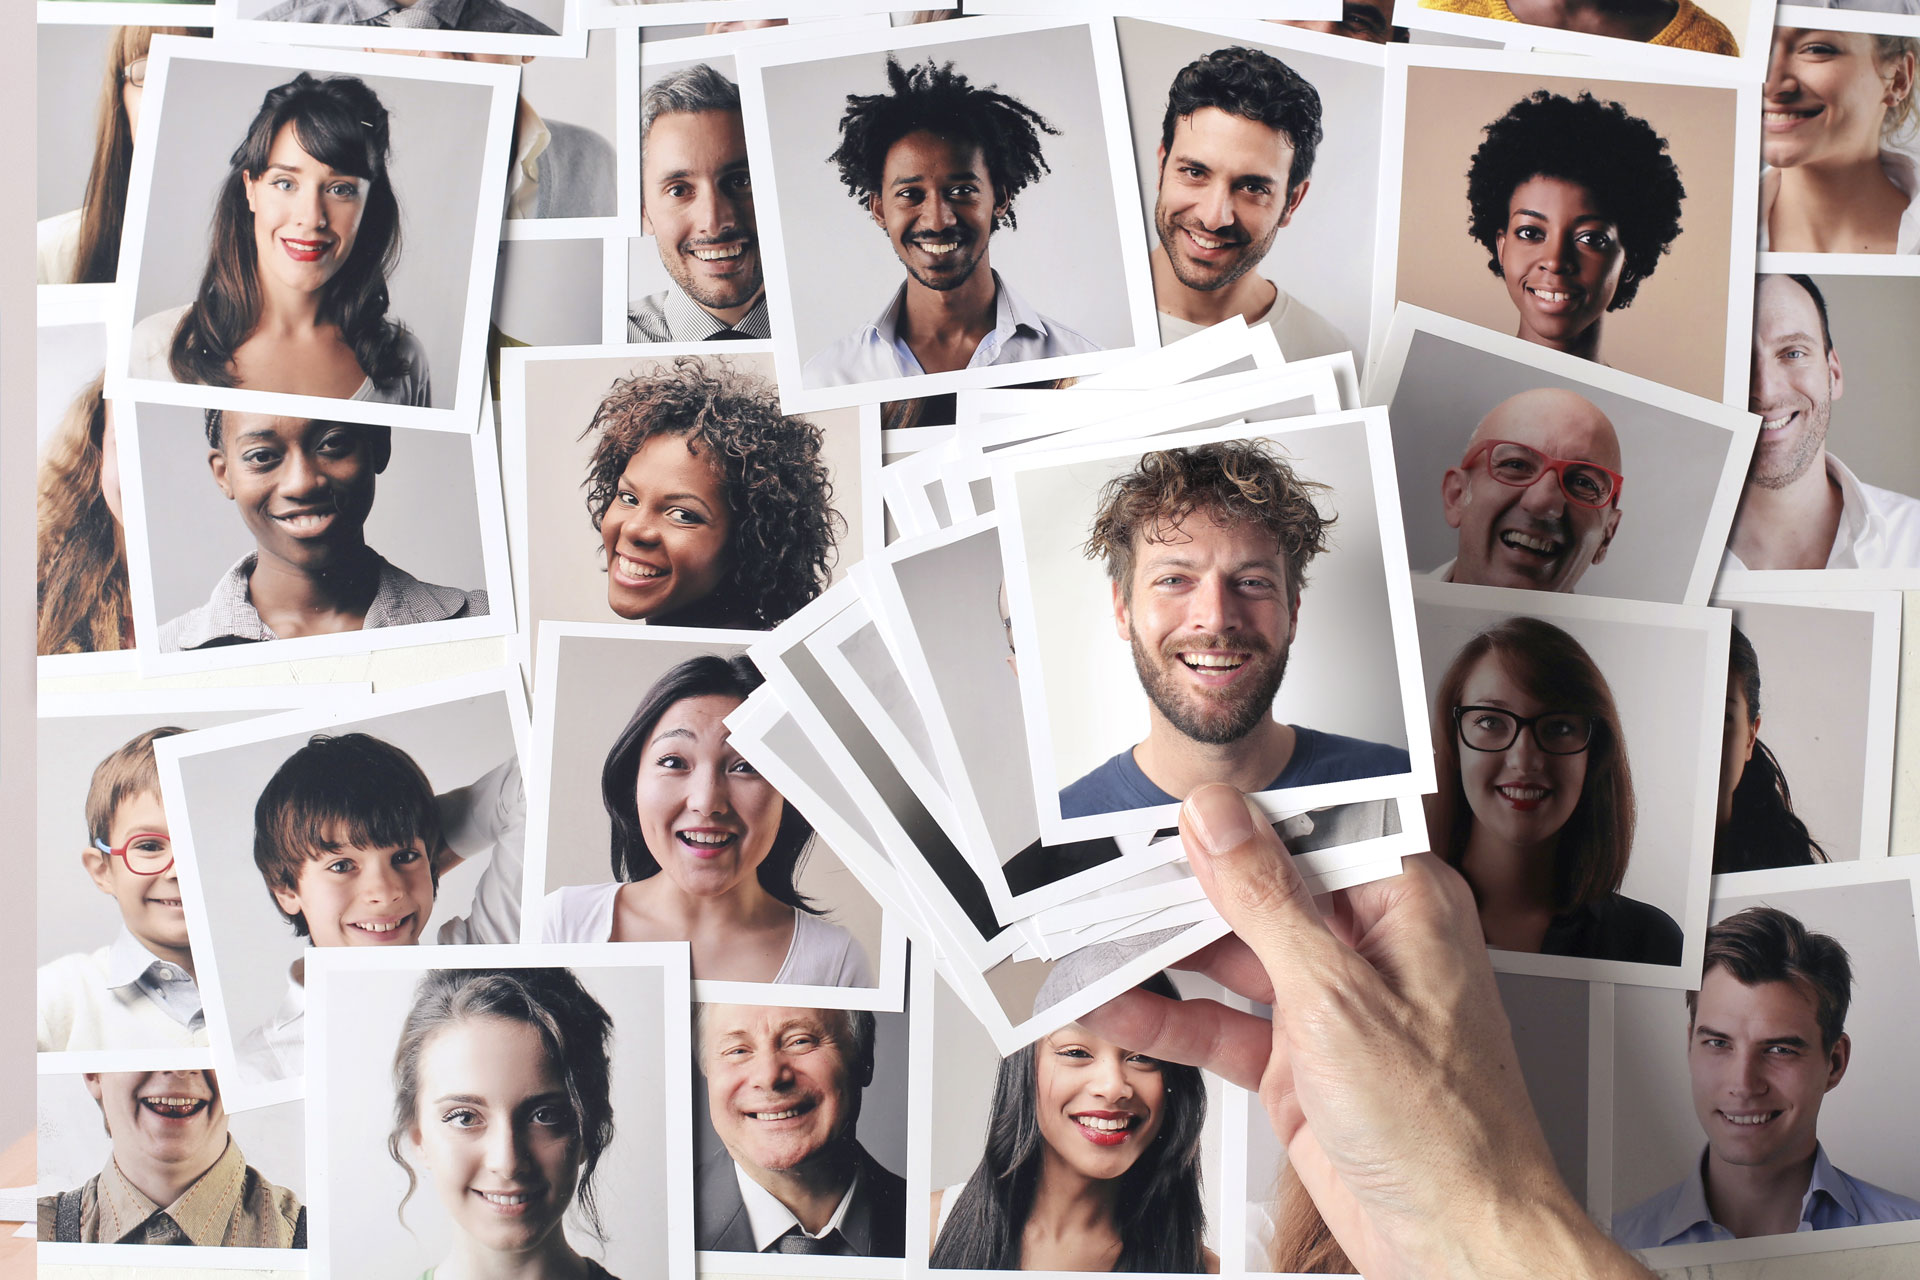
<point x="769" y="1219"/>
<point x="1879" y="529"/>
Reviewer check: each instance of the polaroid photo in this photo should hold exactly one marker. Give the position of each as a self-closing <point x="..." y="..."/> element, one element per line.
<point x="115" y="985"/>
<point x="1357" y="681"/>
<point x="636" y="777"/>
<point x="421" y="1058"/>
<point x="714" y="17"/>
<point x="242" y="526"/>
<point x="1621" y="706"/>
<point x="1788" y="533"/>
<point x="625" y="517"/>
<point x="1812" y="693"/>
<point x="90" y="75"/>
<point x="848" y="328"/>
<point x="1724" y="39"/>
<point x="550" y="293"/>
<point x="1689" y="1079"/>
<point x="147" y="1155"/>
<point x="577" y="115"/>
<point x="113" y="13"/>
<point x="855" y="1067"/>
<point x="1463" y="128"/>
<point x="84" y="624"/>
<point x="495" y="30"/>
<point x="321" y="241"/>
<point x="1168" y="1114"/>
<point x="1641" y="513"/>
<point x="418" y="797"/>
<point x="1228" y="123"/>
<point x="1893" y="17"/>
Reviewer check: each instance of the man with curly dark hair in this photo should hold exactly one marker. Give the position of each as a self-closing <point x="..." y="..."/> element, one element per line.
<point x="1575" y="201"/>
<point x="713" y="507"/>
<point x="937" y="163"/>
<point x="1236" y="152"/>
<point x="1207" y="549"/>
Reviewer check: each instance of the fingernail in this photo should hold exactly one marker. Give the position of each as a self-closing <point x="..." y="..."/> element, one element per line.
<point x="1219" y="818"/>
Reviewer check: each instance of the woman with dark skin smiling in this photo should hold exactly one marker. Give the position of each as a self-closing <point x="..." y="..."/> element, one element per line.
<point x="306" y="230"/>
<point x="1834" y="101"/>
<point x="1575" y="201"/>
<point x="713" y="507"/>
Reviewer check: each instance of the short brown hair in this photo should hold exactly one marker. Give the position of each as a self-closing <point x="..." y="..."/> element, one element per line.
<point x="1765" y="944"/>
<point x="128" y="772"/>
<point x="1233" y="481"/>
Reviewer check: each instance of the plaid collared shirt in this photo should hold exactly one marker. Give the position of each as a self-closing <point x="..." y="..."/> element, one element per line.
<point x="671" y="316"/>
<point x="230" y="1204"/>
<point x="399" y="599"/>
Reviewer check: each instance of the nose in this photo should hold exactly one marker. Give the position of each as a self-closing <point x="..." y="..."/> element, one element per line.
<point x="382" y="881"/>
<point x="1108" y="1078"/>
<point x="714" y="212"/>
<point x="1210" y="605"/>
<point x="505" y="1147"/>
<point x="709" y="792"/>
<point x="1766" y="384"/>
<point x="936" y="214"/>
<point x="1781" y="82"/>
<point x="1749" y="1078"/>
<point x="772" y="1072"/>
<point x="1214" y="207"/>
<point x="1544" y="498"/>
<point x="299" y="476"/>
<point x="1524" y="755"/>
<point x="311" y="207"/>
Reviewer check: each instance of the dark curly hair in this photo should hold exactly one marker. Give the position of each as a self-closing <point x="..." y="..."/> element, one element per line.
<point x="780" y="548"/>
<point x="1254" y="85"/>
<point x="1233" y="481"/>
<point x="1617" y="157"/>
<point x="934" y="98"/>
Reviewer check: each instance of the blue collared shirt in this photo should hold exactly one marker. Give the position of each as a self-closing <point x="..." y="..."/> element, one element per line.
<point x="444" y="15"/>
<point x="878" y="351"/>
<point x="166" y="984"/>
<point x="1679" y="1214"/>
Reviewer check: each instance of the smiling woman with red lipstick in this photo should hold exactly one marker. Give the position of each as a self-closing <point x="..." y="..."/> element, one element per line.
<point x="1092" y="1160"/>
<point x="1535" y="803"/>
<point x="1575" y="202"/>
<point x="705" y="851"/>
<point x="306" y="230"/>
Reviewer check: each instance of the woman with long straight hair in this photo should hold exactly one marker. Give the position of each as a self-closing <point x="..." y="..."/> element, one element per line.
<point x="1755" y="825"/>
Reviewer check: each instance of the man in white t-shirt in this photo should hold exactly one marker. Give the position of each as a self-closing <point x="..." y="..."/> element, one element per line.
<point x="1802" y="508"/>
<point x="1236" y="149"/>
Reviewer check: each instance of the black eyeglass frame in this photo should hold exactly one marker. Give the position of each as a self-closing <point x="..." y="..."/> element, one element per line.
<point x="1528" y="723"/>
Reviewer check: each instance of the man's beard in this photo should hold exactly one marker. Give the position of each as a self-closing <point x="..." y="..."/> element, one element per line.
<point x="1251" y="255"/>
<point x="948" y="282"/>
<point x="1216" y="719"/>
<point x="1812" y="441"/>
<point x="716" y="295"/>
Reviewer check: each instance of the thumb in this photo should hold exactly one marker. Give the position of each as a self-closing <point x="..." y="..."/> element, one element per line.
<point x="1250" y="878"/>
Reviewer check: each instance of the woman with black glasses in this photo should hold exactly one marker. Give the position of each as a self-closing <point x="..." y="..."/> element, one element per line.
<point x="1535" y="802"/>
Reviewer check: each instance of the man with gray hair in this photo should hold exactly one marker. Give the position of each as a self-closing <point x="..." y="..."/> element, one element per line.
<point x="696" y="201"/>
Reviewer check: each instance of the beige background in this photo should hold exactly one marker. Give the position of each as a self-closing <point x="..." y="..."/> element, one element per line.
<point x="563" y="557"/>
<point x="601" y="681"/>
<point x="1442" y="268"/>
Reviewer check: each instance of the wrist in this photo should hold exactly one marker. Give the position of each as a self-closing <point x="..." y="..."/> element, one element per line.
<point x="1521" y="1239"/>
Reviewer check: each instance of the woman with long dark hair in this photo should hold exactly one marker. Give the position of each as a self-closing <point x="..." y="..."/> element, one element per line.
<point x="704" y="850"/>
<point x="306" y="229"/>
<point x="1755" y="825"/>
<point x="1092" y="1163"/>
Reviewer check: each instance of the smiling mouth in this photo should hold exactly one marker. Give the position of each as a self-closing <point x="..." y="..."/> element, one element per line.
<point x="1530" y="543"/>
<point x="1523" y="796"/>
<point x="381" y="930"/>
<point x="1215" y="662"/>
<point x="1565" y="298"/>
<point x="793" y="1112"/>
<point x="1777" y="424"/>
<point x="728" y="252"/>
<point x="164" y="902"/>
<point x="706" y="843"/>
<point x="1206" y="243"/>
<point x="1783" y="116"/>
<point x="306" y="250"/>
<point x="306" y="522"/>
<point x="938" y="248"/>
<point x="1750" y="1119"/>
<point x="635" y="573"/>
<point x="1106" y="1128"/>
<point x="175" y="1107"/>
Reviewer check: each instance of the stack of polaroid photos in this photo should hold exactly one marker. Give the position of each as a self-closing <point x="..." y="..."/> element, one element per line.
<point x="627" y="604"/>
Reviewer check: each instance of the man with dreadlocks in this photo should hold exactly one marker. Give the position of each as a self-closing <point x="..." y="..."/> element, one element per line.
<point x="937" y="163"/>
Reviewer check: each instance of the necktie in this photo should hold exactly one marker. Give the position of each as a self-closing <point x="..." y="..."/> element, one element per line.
<point x="412" y="16"/>
<point x="798" y="1241"/>
<point x="729" y="335"/>
<point x="162" y="1229"/>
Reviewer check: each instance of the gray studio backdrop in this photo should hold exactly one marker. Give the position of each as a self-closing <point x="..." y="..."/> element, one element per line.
<point x="842" y="270"/>
<point x="251" y="944"/>
<point x="67" y="357"/>
<point x="74" y="1146"/>
<point x="1672" y="466"/>
<point x="600" y="683"/>
<point x="1320" y="258"/>
<point x="364" y="1229"/>
<point x="882" y="1127"/>
<point x="1656" y="674"/>
<point x="1814" y="698"/>
<point x="73" y="914"/>
<point x="426" y="511"/>
<point x="547" y="292"/>
<point x="1874" y="320"/>
<point x="1343" y="676"/>
<point x="439" y="143"/>
<point x="547" y="11"/>
<point x="1867" y="1122"/>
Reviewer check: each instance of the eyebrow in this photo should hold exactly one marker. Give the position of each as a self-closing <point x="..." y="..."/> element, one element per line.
<point x="1797" y="1042"/>
<point x="1187" y="562"/>
<point x="1192" y="162"/>
<point x="956" y="176"/>
<point x="1585" y="217"/>
<point x="676" y="733"/>
<point x="1804" y="339"/>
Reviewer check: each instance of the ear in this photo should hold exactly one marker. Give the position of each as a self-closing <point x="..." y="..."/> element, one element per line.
<point x="92" y="1079"/>
<point x="1456" y="495"/>
<point x="1294" y="199"/>
<point x="873" y="211"/>
<point x="99" y="868"/>
<point x="289" y="900"/>
<point x="1837" y="1059"/>
<point x="1753" y="736"/>
<point x="1160" y="158"/>
<point x="1293" y="617"/>
<point x="646" y="219"/>
<point x="247" y="183"/>
<point x="1606" y="539"/>
<point x="1500" y="250"/>
<point x="1835" y="382"/>
<point x="1122" y="621"/>
<point x="217" y="463"/>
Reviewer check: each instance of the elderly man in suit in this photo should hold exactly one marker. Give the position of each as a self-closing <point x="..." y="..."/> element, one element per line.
<point x="783" y="1092"/>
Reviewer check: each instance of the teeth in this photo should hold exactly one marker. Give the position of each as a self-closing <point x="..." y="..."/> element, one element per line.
<point x="172" y="1102"/>
<point x="712" y="839"/>
<point x="1551" y="295"/>
<point x="1513" y="538"/>
<point x="371" y="927"/>
<point x="634" y="569"/>
<point x="1205" y="242"/>
<point x="1523" y="793"/>
<point x="1781" y="117"/>
<point x="938" y="249"/>
<point x="1748" y="1120"/>
<point x="1774" y="424"/>
<point x="720" y="253"/>
<point x="305" y="521"/>
<point x="494" y="1197"/>
<point x="788" y="1114"/>
<point x="1103" y="1125"/>
<point x="1214" y="661"/>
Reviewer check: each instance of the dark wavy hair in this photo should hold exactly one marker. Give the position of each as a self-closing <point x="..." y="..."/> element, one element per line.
<point x="1254" y="85"/>
<point x="573" y="1026"/>
<point x="1160" y="1215"/>
<point x="707" y="675"/>
<point x="85" y="603"/>
<point x="932" y="97"/>
<point x="1618" y="158"/>
<point x="1765" y="944"/>
<point x="339" y="122"/>
<point x="1763" y="830"/>
<point x="783" y="528"/>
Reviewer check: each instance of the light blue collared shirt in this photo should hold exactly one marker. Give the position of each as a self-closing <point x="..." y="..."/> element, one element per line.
<point x="878" y="352"/>
<point x="165" y="983"/>
<point x="1679" y="1214"/>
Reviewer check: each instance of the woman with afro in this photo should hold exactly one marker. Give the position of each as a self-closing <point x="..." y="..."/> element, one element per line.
<point x="713" y="507"/>
<point x="1575" y="201"/>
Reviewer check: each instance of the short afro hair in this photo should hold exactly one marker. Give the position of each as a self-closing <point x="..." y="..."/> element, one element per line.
<point x="1254" y="85"/>
<point x="781" y="546"/>
<point x="932" y="97"/>
<point x="1231" y="481"/>
<point x="1618" y="158"/>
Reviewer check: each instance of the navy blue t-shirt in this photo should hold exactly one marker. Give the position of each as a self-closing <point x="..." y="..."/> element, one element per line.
<point x="1119" y="785"/>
